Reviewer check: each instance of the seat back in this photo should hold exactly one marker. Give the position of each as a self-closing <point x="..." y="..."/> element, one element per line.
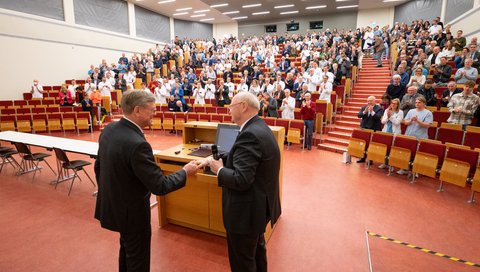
<point x="39" y="122"/>
<point x="61" y="155"/>
<point x="451" y="126"/>
<point x="22" y="148"/>
<point x="449" y="135"/>
<point x="472" y="139"/>
<point x="435" y="148"/>
<point x="383" y="138"/>
<point x="269" y="121"/>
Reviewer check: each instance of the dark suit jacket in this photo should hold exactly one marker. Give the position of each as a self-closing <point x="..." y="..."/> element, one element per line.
<point x="447" y="93"/>
<point x="126" y="173"/>
<point x="250" y="180"/>
<point x="369" y="121"/>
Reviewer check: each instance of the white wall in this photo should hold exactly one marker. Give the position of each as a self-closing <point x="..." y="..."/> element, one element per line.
<point x="53" y="51"/>
<point x="468" y="22"/>
<point x="344" y="20"/>
<point x="225" y="30"/>
<point x="372" y="17"/>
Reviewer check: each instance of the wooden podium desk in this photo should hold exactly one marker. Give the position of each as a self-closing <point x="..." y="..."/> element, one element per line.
<point x="199" y="204"/>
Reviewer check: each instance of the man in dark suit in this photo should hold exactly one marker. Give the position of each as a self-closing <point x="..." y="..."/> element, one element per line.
<point x="449" y="92"/>
<point x="126" y="173"/>
<point x="268" y="105"/>
<point x="371" y="115"/>
<point x="249" y="177"/>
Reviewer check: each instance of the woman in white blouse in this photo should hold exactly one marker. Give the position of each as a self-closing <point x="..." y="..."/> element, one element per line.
<point x="199" y="94"/>
<point x="392" y="118"/>
<point x="161" y="94"/>
<point x="418" y="79"/>
<point x="254" y="88"/>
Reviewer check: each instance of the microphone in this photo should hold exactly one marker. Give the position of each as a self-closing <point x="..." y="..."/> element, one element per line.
<point x="215" y="152"/>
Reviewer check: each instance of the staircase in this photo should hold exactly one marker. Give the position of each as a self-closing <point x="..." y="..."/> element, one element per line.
<point x="371" y="80"/>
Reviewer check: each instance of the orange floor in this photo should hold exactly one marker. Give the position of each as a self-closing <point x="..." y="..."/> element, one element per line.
<point x="327" y="208"/>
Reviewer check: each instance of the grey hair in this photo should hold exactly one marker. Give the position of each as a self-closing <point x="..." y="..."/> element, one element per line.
<point x="133" y="98"/>
<point x="396" y="75"/>
<point x="250" y="99"/>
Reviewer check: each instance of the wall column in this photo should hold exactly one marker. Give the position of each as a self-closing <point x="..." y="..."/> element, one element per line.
<point x="132" y="26"/>
<point x="68" y="12"/>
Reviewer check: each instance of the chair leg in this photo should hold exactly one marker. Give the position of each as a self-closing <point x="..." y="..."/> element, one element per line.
<point x="58" y="178"/>
<point x="89" y="177"/>
<point x="50" y="167"/>
<point x="472" y="198"/>
<point x="73" y="179"/>
<point x="440" y="188"/>
<point x="36" y="168"/>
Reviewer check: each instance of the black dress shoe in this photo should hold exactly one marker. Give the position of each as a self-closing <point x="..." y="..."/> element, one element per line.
<point x="379" y="65"/>
<point x="361" y="160"/>
<point x="309" y="148"/>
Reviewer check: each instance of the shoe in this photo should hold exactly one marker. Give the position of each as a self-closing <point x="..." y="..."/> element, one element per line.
<point x="402" y="172"/>
<point x="309" y="148"/>
<point x="382" y="166"/>
<point x="379" y="65"/>
<point x="361" y="160"/>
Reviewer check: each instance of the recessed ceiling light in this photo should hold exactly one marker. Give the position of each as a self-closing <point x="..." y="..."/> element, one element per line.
<point x="198" y="15"/>
<point x="284" y="6"/>
<point x="219" y="5"/>
<point x="251" y="6"/>
<point x="342" y="0"/>
<point x="201" y="11"/>
<point x="239" y="18"/>
<point x="261" y="13"/>
<point x="180" y="13"/>
<point x="182" y="9"/>
<point x="316" y="7"/>
<point x="289" y="12"/>
<point x="345" y="7"/>
<point x="231" y="12"/>
<point x="208" y="19"/>
<point x="166" y="1"/>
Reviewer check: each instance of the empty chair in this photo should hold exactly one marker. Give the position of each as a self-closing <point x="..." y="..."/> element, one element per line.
<point x="179" y="120"/>
<point x="217" y="118"/>
<point x="168" y="121"/>
<point x="67" y="165"/>
<point x="30" y="161"/>
<point x="475" y="185"/>
<point x="270" y="121"/>
<point x="6" y="154"/>
<point x="429" y="156"/>
<point x="285" y="123"/>
<point x="221" y="110"/>
<point x="459" y="164"/>
<point x="472" y="138"/>
<point x="191" y="116"/>
<point x="379" y="147"/>
<point x="358" y="143"/>
<point x="296" y="133"/>
<point x="451" y="126"/>
<point x="68" y="121"/>
<point x="205" y="117"/>
<point x="157" y="121"/>
<point x="402" y="153"/>
<point x="39" y="122"/>
<point x="24" y="123"/>
<point x="7" y="122"/>
<point x="432" y="130"/>
<point x="83" y="121"/>
<point x="54" y="121"/>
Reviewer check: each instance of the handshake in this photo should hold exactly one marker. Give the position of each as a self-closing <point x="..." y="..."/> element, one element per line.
<point x="192" y="167"/>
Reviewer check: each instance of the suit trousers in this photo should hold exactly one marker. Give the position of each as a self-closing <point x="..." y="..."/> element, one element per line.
<point x="309" y="137"/>
<point x="247" y="253"/>
<point x="135" y="251"/>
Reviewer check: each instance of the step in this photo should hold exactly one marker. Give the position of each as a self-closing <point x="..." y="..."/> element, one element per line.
<point x="348" y="123"/>
<point x="350" y="118"/>
<point x="352" y="108"/>
<point x="343" y="129"/>
<point x="340" y="134"/>
<point x="336" y="141"/>
<point x="332" y="147"/>
<point x="385" y="81"/>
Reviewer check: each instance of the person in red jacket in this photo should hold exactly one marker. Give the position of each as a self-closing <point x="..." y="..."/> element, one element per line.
<point x="307" y="112"/>
<point x="65" y="97"/>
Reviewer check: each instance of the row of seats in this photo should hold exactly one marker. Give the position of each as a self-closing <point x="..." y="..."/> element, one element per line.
<point x="39" y="109"/>
<point x="456" y="164"/>
<point x="43" y="122"/>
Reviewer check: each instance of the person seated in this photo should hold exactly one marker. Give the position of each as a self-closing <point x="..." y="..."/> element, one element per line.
<point x="418" y="79"/>
<point x="462" y="106"/>
<point x="180" y="107"/>
<point x="428" y="91"/>
<point x="442" y="72"/>
<point x="449" y="92"/>
<point x="65" y="97"/>
<point x="396" y="89"/>
<point x="466" y="73"/>
<point x="408" y="100"/>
